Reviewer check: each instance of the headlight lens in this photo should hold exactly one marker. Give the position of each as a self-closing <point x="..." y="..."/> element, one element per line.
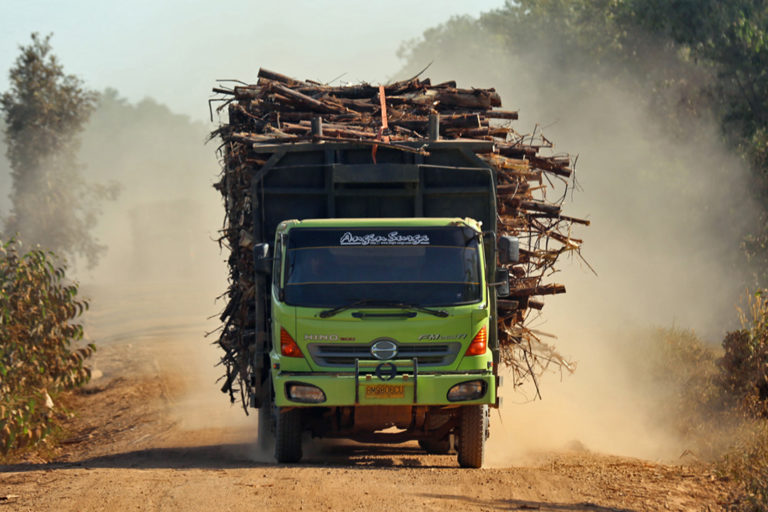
<point x="471" y="390"/>
<point x="304" y="393"/>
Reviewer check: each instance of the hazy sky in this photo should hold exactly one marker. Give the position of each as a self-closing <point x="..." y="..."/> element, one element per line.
<point x="173" y="50"/>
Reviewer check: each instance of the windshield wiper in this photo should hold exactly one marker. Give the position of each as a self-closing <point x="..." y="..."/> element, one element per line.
<point x="381" y="304"/>
<point x="436" y="312"/>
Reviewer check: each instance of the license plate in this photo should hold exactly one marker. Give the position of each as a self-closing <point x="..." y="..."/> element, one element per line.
<point x="385" y="391"/>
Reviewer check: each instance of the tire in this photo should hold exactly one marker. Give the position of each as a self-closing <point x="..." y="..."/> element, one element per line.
<point x="472" y="435"/>
<point x="436" y="446"/>
<point x="288" y="435"/>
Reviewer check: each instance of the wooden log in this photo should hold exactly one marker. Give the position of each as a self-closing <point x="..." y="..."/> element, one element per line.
<point x="364" y="91"/>
<point x="467" y="99"/>
<point x="514" y="164"/>
<point x="502" y="114"/>
<point x="295" y="128"/>
<point x="358" y="105"/>
<point x="261" y="139"/>
<point x="568" y="218"/>
<point x="293" y="116"/>
<point x="459" y="121"/>
<point x="305" y="125"/>
<point x="246" y="92"/>
<point x="330" y="131"/>
<point x="511" y="188"/>
<point x="572" y="243"/>
<point x="303" y="99"/>
<point x="278" y="77"/>
<point x="547" y="289"/>
<point x="541" y="206"/>
<point x="558" y="166"/>
<point x="526" y="175"/>
<point x="477" y="132"/>
<point x="219" y="90"/>
<point x="423" y="98"/>
<point x="517" y="151"/>
<point x="409" y="134"/>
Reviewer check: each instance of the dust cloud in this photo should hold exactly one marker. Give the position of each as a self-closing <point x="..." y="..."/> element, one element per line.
<point x="668" y="215"/>
<point x="155" y="288"/>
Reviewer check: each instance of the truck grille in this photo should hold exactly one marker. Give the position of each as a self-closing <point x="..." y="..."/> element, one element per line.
<point x="344" y="355"/>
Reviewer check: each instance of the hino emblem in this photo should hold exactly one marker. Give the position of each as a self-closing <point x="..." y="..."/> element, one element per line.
<point x="384" y="349"/>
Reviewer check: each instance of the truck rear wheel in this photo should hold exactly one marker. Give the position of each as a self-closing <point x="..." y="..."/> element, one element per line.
<point x="436" y="446"/>
<point x="288" y="435"/>
<point x="472" y="435"/>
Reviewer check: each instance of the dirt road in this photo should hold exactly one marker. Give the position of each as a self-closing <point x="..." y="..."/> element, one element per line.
<point x="152" y="433"/>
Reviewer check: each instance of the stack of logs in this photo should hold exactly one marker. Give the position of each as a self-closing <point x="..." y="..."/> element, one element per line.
<point x="280" y="109"/>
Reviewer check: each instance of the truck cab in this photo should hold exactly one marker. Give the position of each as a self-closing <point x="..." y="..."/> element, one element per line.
<point x="379" y="323"/>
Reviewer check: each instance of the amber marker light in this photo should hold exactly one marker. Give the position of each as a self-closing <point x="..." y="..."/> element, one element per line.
<point x="288" y="346"/>
<point x="479" y="343"/>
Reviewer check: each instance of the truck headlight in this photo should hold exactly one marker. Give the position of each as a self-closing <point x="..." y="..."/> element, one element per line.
<point x="471" y="390"/>
<point x="305" y="393"/>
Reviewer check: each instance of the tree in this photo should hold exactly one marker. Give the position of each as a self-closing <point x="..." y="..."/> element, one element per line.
<point x="688" y="61"/>
<point x="45" y="111"/>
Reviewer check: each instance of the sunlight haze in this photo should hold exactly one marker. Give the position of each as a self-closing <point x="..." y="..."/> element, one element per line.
<point x="173" y="51"/>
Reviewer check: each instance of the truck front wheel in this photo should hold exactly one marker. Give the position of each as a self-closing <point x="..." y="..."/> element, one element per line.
<point x="472" y="435"/>
<point x="288" y="432"/>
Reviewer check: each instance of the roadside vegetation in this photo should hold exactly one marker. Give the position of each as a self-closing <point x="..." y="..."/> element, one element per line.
<point x="51" y="124"/>
<point x="53" y="209"/>
<point x="744" y="370"/>
<point x="41" y="354"/>
<point x="716" y="399"/>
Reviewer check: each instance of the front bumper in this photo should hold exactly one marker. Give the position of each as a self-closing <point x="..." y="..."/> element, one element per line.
<point x="364" y="387"/>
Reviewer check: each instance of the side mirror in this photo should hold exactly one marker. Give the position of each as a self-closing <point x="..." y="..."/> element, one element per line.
<point x="509" y="249"/>
<point x="501" y="282"/>
<point x="262" y="261"/>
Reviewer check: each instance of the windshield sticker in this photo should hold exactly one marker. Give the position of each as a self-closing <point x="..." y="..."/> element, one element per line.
<point x="393" y="238"/>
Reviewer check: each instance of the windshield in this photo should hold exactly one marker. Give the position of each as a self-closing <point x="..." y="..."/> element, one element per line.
<point x="437" y="266"/>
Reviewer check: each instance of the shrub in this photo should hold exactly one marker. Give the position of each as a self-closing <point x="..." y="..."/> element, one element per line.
<point x="744" y="367"/>
<point x="747" y="465"/>
<point x="744" y="375"/>
<point x="38" y="308"/>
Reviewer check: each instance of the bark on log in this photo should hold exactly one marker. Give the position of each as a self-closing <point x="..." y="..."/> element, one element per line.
<point x="547" y="289"/>
<point x="303" y="99"/>
<point x="278" y="77"/>
<point x="502" y="114"/>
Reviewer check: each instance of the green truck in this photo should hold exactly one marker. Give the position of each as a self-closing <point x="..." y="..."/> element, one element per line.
<point x="376" y="290"/>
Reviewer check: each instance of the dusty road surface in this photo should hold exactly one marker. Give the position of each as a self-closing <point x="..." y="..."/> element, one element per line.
<point x="152" y="433"/>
